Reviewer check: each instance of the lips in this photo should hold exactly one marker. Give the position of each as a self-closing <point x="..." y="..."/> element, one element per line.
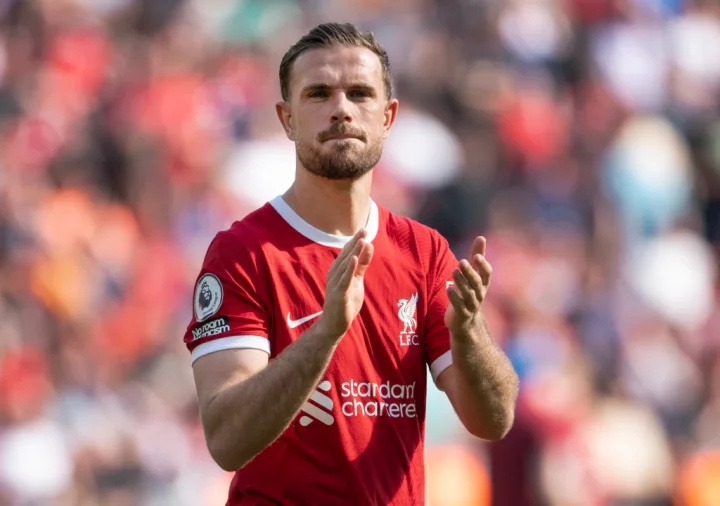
<point x="340" y="137"/>
<point x="328" y="136"/>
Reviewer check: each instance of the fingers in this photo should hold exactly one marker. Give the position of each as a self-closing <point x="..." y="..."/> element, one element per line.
<point x="457" y="301"/>
<point x="350" y="246"/>
<point x="340" y="265"/>
<point x="474" y="280"/>
<point x="471" y="283"/>
<point x="364" y="259"/>
<point x="348" y="273"/>
<point x="483" y="268"/>
<point x="478" y="247"/>
<point x="347" y="251"/>
<point x="342" y="303"/>
<point x="467" y="292"/>
<point x="357" y="264"/>
<point x="342" y="259"/>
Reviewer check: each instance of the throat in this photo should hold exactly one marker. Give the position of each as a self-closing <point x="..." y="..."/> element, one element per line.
<point x="334" y="207"/>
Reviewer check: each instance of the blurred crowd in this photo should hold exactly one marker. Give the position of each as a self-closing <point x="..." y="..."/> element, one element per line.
<point x="581" y="137"/>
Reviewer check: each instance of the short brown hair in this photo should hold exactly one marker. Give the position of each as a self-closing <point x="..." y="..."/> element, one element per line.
<point x="330" y="34"/>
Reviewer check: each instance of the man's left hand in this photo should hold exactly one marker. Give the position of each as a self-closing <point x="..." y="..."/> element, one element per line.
<point x="467" y="293"/>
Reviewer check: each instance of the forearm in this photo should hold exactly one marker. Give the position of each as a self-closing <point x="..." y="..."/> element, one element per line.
<point x="245" y="418"/>
<point x="487" y="383"/>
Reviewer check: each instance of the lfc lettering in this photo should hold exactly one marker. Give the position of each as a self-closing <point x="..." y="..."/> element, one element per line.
<point x="409" y="340"/>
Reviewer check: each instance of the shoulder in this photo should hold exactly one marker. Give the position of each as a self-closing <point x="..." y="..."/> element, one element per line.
<point x="409" y="234"/>
<point x="420" y="246"/>
<point x="243" y="240"/>
<point x="255" y="227"/>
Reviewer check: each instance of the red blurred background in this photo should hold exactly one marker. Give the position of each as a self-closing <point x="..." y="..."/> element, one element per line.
<point x="581" y="137"/>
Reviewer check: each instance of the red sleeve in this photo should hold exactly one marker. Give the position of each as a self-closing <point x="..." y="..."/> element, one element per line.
<point x="228" y="312"/>
<point x="437" y="340"/>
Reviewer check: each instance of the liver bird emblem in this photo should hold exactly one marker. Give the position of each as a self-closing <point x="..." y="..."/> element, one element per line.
<point x="407" y="314"/>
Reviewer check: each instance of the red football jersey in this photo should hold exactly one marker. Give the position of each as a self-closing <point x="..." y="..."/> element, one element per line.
<point x="359" y="439"/>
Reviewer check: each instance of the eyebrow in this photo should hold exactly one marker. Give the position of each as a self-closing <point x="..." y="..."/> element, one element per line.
<point x="326" y="87"/>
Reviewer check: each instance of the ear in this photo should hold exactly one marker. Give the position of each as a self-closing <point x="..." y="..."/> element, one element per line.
<point x="391" y="110"/>
<point x="284" y="115"/>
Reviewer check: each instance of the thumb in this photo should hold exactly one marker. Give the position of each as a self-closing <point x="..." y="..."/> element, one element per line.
<point x="364" y="259"/>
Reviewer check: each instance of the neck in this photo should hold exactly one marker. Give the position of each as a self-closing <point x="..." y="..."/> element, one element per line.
<point x="335" y="207"/>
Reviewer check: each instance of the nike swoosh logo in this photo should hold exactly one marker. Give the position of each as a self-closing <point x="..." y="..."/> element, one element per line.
<point x="296" y="323"/>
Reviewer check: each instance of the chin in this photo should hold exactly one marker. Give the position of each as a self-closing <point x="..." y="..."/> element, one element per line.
<point x="343" y="168"/>
<point x="335" y="145"/>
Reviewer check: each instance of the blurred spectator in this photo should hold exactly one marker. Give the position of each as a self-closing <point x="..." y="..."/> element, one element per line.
<point x="582" y="138"/>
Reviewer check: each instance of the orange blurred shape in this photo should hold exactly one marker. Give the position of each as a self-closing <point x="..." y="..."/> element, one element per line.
<point x="123" y="334"/>
<point x="699" y="483"/>
<point x="455" y="477"/>
<point x="116" y="242"/>
<point x="66" y="221"/>
<point x="61" y="284"/>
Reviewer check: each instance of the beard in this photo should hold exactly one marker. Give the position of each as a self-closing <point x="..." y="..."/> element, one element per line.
<point x="347" y="159"/>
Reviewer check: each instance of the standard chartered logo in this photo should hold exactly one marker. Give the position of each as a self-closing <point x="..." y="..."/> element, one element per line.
<point x="378" y="399"/>
<point x="393" y="400"/>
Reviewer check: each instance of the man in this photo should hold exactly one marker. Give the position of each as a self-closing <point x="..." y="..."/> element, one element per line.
<point x="315" y="315"/>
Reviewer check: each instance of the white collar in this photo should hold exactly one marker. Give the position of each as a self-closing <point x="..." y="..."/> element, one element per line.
<point x="333" y="241"/>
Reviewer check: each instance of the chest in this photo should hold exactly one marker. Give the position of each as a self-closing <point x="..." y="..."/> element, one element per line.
<point x="388" y="335"/>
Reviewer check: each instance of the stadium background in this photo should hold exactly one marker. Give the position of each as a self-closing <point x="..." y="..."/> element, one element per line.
<point x="582" y="137"/>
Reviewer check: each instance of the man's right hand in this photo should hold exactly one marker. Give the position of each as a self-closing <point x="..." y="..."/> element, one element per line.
<point x="345" y="288"/>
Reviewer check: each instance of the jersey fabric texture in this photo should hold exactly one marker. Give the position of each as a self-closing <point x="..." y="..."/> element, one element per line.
<point x="359" y="439"/>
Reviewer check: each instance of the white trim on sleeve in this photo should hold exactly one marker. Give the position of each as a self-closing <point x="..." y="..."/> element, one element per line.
<point x="440" y="364"/>
<point x="231" y="343"/>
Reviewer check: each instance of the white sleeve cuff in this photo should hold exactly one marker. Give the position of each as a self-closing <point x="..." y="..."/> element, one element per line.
<point x="231" y="343"/>
<point x="440" y="364"/>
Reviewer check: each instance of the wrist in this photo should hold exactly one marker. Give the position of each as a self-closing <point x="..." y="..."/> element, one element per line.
<point x="473" y="331"/>
<point x="326" y="331"/>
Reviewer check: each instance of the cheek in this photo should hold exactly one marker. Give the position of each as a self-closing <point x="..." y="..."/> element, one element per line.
<point x="378" y="120"/>
<point x="378" y="127"/>
<point x="307" y="139"/>
<point x="306" y="127"/>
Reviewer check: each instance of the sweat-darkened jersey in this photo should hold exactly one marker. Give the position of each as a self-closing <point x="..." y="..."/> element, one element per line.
<point x="359" y="438"/>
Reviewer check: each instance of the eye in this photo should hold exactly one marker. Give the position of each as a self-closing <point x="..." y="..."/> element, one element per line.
<point x="360" y="94"/>
<point x="318" y="94"/>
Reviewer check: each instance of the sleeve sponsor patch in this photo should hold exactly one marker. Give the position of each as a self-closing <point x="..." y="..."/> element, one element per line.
<point x="211" y="328"/>
<point x="208" y="297"/>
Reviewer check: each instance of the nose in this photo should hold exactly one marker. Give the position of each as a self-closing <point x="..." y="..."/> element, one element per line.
<point x="341" y="108"/>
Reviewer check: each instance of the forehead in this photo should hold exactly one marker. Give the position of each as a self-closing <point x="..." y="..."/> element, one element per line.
<point x="337" y="66"/>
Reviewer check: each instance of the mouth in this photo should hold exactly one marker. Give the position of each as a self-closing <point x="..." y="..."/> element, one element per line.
<point x="341" y="137"/>
<point x="341" y="134"/>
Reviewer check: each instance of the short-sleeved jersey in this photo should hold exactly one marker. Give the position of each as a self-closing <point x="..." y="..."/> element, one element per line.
<point x="359" y="438"/>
